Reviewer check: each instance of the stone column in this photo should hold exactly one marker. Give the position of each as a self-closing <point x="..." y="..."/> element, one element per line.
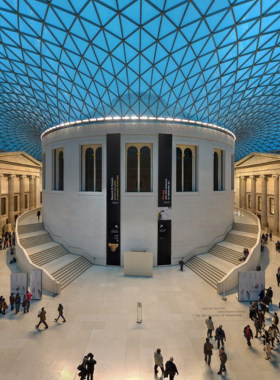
<point x="11" y="199"/>
<point x="264" y="201"/>
<point x="1" y="176"/>
<point x="31" y="192"/>
<point x="22" y="194"/>
<point x="242" y="192"/>
<point x="37" y="191"/>
<point x="276" y="203"/>
<point x="253" y="193"/>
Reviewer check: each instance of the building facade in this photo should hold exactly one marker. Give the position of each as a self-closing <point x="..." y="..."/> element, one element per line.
<point x="257" y="187"/>
<point x="20" y="185"/>
<point x="114" y="187"/>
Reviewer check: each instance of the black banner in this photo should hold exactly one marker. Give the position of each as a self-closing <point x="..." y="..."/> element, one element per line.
<point x="164" y="198"/>
<point x="113" y="199"/>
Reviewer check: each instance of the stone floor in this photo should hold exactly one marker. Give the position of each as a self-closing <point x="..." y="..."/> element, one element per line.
<point x="100" y="308"/>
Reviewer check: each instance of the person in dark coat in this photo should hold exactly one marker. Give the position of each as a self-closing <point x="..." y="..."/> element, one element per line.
<point x="269" y="294"/>
<point x="39" y="214"/>
<point x="220" y="335"/>
<point x="181" y="263"/>
<point x="248" y="334"/>
<point x="90" y="367"/>
<point x="258" y="326"/>
<point x="261" y="295"/>
<point x="223" y="359"/>
<point x="208" y="347"/>
<point x="60" y="313"/>
<point x="171" y="369"/>
<point x="12" y="301"/>
<point x="17" y="302"/>
<point x="278" y="278"/>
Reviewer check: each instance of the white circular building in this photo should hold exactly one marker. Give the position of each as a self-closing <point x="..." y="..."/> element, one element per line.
<point x="113" y="185"/>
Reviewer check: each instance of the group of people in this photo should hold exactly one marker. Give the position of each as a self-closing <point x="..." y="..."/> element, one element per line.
<point x="87" y="367"/>
<point x="245" y="254"/>
<point x="43" y="318"/>
<point x="7" y="240"/>
<point x="15" y="302"/>
<point x="170" y="367"/>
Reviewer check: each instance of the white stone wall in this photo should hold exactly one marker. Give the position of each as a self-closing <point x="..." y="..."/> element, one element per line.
<point x="80" y="218"/>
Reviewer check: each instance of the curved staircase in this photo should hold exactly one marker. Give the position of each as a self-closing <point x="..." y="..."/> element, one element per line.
<point x="53" y="257"/>
<point x="222" y="257"/>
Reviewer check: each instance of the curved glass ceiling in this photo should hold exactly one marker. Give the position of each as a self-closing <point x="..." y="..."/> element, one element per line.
<point x="211" y="60"/>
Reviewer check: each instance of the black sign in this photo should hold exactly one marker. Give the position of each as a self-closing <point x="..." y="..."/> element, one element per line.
<point x="113" y="200"/>
<point x="164" y="170"/>
<point x="164" y="198"/>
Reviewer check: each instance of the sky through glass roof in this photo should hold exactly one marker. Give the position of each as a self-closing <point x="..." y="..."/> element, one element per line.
<point x="213" y="60"/>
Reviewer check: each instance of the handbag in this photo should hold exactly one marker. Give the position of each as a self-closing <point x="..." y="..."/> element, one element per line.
<point x="273" y="320"/>
<point x="165" y="373"/>
<point x="80" y="367"/>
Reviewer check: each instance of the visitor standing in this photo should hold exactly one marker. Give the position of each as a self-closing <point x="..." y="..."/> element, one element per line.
<point x="181" y="263"/>
<point x="60" y="313"/>
<point x="223" y="359"/>
<point x="278" y="278"/>
<point x="39" y="214"/>
<point x="12" y="301"/>
<point x="208" y="347"/>
<point x="90" y="367"/>
<point x="24" y="303"/>
<point x="28" y="296"/>
<point x="158" y="361"/>
<point x="43" y="318"/>
<point x="267" y="350"/>
<point x="4" y="306"/>
<point x="220" y="335"/>
<point x="248" y="334"/>
<point x="270" y="236"/>
<point x="210" y="326"/>
<point x="275" y="321"/>
<point x="258" y="326"/>
<point x="17" y="302"/>
<point x="171" y="369"/>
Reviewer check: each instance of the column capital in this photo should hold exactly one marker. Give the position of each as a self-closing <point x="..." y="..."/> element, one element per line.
<point x="11" y="176"/>
<point x="1" y="175"/>
<point x="275" y="176"/>
<point x="31" y="177"/>
<point x="263" y="176"/>
<point x="22" y="176"/>
<point x="252" y="177"/>
<point x="242" y="177"/>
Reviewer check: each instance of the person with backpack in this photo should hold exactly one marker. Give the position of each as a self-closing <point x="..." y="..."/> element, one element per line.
<point x="248" y="334"/>
<point x="170" y="369"/>
<point x="223" y="359"/>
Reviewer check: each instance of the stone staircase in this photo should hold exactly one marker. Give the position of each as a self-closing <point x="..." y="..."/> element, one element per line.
<point x="224" y="256"/>
<point x="53" y="257"/>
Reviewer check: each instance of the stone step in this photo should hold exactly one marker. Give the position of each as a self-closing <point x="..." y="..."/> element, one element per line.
<point x="226" y="254"/>
<point x="47" y="255"/>
<point x="26" y="228"/>
<point x="244" y="241"/>
<point x="251" y="228"/>
<point x="33" y="241"/>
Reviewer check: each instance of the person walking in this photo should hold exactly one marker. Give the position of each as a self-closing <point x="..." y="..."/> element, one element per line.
<point x="60" y="313"/>
<point x="269" y="295"/>
<point x="223" y="359"/>
<point x="90" y="367"/>
<point x="28" y="296"/>
<point x="24" y="303"/>
<point x="181" y="263"/>
<point x="270" y="236"/>
<point x="252" y="311"/>
<point x="208" y="347"/>
<point x="4" y="306"/>
<point x="158" y="361"/>
<point x="261" y="295"/>
<point x="278" y="278"/>
<point x="39" y="214"/>
<point x="170" y="368"/>
<point x="248" y="334"/>
<point x="17" y="302"/>
<point x="210" y="326"/>
<point x="43" y="318"/>
<point x="220" y="335"/>
<point x="275" y="321"/>
<point x="258" y="327"/>
<point x="12" y="301"/>
<point x="267" y="350"/>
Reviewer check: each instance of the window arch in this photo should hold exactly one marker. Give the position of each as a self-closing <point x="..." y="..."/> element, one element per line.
<point x="216" y="171"/>
<point x="60" y="171"/>
<point x="138" y="168"/>
<point x="185" y="168"/>
<point x="91" y="168"/>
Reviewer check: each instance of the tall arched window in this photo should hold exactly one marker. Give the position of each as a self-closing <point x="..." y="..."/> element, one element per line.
<point x="98" y="167"/>
<point x="132" y="159"/>
<point x="185" y="168"/>
<point x="216" y="171"/>
<point x="145" y="169"/>
<point x="188" y="170"/>
<point x="89" y="170"/>
<point x="60" y="171"/>
<point x="179" y="163"/>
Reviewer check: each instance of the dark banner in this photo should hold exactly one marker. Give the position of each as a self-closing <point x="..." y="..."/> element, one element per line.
<point x="164" y="170"/>
<point x="164" y="198"/>
<point x="113" y="199"/>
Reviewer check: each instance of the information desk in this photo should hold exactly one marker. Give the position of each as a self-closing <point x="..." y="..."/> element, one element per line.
<point x="138" y="264"/>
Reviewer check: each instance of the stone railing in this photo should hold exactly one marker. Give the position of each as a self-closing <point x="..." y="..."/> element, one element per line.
<point x="49" y="283"/>
<point x="230" y="281"/>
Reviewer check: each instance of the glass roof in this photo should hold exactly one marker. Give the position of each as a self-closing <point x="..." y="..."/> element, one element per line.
<point x="211" y="60"/>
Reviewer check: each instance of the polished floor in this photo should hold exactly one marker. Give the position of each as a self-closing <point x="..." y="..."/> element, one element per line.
<point x="100" y="309"/>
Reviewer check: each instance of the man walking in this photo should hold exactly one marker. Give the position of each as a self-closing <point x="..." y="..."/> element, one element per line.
<point x="208" y="347"/>
<point x="248" y="334"/>
<point x="210" y="326"/>
<point x="223" y="359"/>
<point x="181" y="263"/>
<point x="220" y="335"/>
<point x="39" y="214"/>
<point x="258" y="326"/>
<point x="171" y="369"/>
<point x="12" y="301"/>
<point x="17" y="302"/>
<point x="42" y="317"/>
<point x="158" y="361"/>
<point x="60" y="313"/>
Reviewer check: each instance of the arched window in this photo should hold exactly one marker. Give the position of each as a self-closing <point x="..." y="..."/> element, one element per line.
<point x="98" y="164"/>
<point x="188" y="170"/>
<point x="89" y="170"/>
<point x="60" y="171"/>
<point x="216" y="171"/>
<point x="145" y="169"/>
<point x="179" y="183"/>
<point x="132" y="169"/>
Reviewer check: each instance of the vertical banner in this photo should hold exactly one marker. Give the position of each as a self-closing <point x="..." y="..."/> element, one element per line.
<point x="250" y="285"/>
<point x="164" y="198"/>
<point x="19" y="284"/>
<point x="113" y="199"/>
<point x="36" y="284"/>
